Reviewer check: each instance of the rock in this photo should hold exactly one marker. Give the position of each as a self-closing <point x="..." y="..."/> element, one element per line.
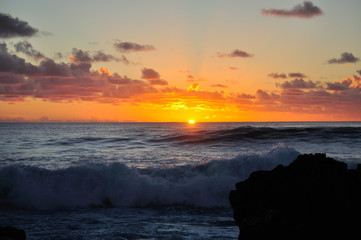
<point x="314" y="195"/>
<point x="12" y="233"/>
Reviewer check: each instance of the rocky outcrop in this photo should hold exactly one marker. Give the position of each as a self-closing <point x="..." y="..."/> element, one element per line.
<point x="12" y="233"/>
<point x="314" y="195"/>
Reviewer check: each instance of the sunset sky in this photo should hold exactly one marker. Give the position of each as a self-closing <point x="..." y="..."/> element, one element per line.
<point x="176" y="60"/>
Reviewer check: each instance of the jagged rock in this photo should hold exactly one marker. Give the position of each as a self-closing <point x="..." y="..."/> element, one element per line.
<point x="314" y="195"/>
<point x="12" y="233"/>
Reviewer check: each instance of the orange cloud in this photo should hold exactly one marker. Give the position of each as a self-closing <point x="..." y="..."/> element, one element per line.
<point x="104" y="71"/>
<point x="193" y="87"/>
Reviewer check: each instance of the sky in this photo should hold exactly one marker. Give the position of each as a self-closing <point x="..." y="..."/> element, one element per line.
<point x="176" y="60"/>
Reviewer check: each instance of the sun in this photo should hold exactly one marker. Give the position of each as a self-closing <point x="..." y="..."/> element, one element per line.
<point x="191" y="121"/>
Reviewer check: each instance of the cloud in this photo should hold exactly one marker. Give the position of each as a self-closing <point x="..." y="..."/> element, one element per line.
<point x="12" y="63"/>
<point x="233" y="68"/>
<point x="26" y="48"/>
<point x="102" y="57"/>
<point x="340" y="86"/>
<point x="14" y="27"/>
<point x="245" y="96"/>
<point x="345" y="58"/>
<point x="219" y="86"/>
<point x="265" y="96"/>
<point x="297" y="83"/>
<point x="80" y="56"/>
<point x="305" y="10"/>
<point x="128" y="47"/>
<point x="296" y="75"/>
<point x="193" y="87"/>
<point x="359" y="72"/>
<point x="277" y="76"/>
<point x="62" y="84"/>
<point x="346" y="84"/>
<point x="152" y="77"/>
<point x="235" y="53"/>
<point x="148" y="73"/>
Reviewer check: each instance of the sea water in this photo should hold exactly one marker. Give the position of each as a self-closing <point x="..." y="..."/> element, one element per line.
<point x="146" y="180"/>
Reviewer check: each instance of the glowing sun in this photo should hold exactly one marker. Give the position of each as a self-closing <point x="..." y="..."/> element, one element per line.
<point x="191" y="121"/>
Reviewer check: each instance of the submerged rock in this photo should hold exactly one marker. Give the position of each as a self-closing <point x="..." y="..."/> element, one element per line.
<point x="12" y="233"/>
<point x="314" y="195"/>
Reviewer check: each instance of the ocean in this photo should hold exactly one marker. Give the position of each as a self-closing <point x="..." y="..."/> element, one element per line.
<point x="146" y="180"/>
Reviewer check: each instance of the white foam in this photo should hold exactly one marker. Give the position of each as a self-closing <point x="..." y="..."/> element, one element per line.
<point x="204" y="185"/>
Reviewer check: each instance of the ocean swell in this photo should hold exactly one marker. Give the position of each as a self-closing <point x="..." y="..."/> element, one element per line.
<point x="248" y="133"/>
<point x="99" y="185"/>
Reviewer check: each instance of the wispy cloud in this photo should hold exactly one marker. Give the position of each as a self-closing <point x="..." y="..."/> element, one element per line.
<point x="26" y="48"/>
<point x="345" y="58"/>
<point x="297" y="83"/>
<point x="296" y="75"/>
<point x="80" y="56"/>
<point x="278" y="75"/>
<point x="14" y="27"/>
<point x="305" y="10"/>
<point x="219" y="86"/>
<point x="235" y="53"/>
<point x="128" y="47"/>
<point x="284" y="76"/>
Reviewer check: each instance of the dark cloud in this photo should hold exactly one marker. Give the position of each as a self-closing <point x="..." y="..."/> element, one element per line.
<point x="298" y="83"/>
<point x="12" y="63"/>
<point x="80" y="69"/>
<point x="346" y="84"/>
<point x="265" y="96"/>
<point x="80" y="56"/>
<point x="26" y="48"/>
<point x="102" y="57"/>
<point x="73" y="81"/>
<point x="219" y="85"/>
<point x="50" y="68"/>
<point x="132" y="47"/>
<point x="14" y="27"/>
<point x="87" y="87"/>
<point x="305" y="10"/>
<point x="148" y="73"/>
<point x="277" y="76"/>
<point x="245" y="96"/>
<point x="296" y="75"/>
<point x="235" y="53"/>
<point x="158" y="82"/>
<point x="153" y="77"/>
<point x="359" y="71"/>
<point x="336" y="86"/>
<point x="345" y="58"/>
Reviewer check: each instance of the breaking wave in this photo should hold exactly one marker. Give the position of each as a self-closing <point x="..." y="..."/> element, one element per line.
<point x="117" y="185"/>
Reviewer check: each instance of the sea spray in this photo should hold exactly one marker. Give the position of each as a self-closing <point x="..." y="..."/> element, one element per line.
<point x="96" y="185"/>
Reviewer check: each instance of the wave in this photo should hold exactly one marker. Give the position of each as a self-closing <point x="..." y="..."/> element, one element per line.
<point x="99" y="185"/>
<point x="249" y="133"/>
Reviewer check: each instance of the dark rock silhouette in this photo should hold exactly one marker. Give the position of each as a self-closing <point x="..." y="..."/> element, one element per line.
<point x="12" y="233"/>
<point x="313" y="196"/>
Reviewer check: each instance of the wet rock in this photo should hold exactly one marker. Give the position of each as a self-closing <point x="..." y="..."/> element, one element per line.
<point x="314" y="195"/>
<point x="12" y="233"/>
